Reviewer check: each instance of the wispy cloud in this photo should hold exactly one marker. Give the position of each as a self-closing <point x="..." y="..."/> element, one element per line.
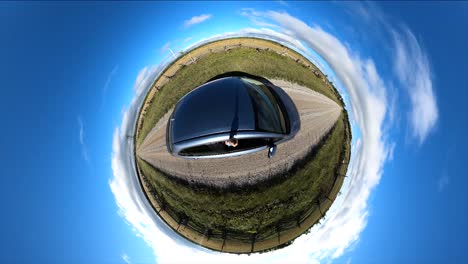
<point x="84" y="149"/>
<point x="413" y="70"/>
<point x="165" y="47"/>
<point x="442" y="182"/>
<point x="107" y="84"/>
<point x="126" y="258"/>
<point x="410" y="64"/>
<point x="256" y="18"/>
<point x="196" y="20"/>
<point x="444" y="179"/>
<point x="144" y="79"/>
<point x="282" y="2"/>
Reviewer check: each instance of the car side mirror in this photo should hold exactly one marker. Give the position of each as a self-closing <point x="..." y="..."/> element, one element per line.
<point x="271" y="151"/>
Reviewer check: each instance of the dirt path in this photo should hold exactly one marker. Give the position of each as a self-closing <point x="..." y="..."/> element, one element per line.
<point x="318" y="115"/>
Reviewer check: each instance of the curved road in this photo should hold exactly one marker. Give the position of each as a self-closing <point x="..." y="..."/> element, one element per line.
<point x="318" y="114"/>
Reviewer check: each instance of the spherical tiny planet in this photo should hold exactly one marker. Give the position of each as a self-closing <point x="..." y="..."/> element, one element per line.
<point x="253" y="132"/>
<point x="242" y="145"/>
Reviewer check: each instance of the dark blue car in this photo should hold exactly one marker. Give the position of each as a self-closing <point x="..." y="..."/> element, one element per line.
<point x="232" y="114"/>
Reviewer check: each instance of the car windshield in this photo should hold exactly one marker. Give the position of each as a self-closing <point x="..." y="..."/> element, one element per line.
<point x="268" y="114"/>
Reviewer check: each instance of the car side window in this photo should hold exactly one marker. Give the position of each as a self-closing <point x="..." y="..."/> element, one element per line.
<point x="220" y="148"/>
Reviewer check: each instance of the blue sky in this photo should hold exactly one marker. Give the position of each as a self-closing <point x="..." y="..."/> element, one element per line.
<point x="69" y="73"/>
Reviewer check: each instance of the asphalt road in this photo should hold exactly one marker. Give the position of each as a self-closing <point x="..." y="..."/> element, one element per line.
<point x="318" y="114"/>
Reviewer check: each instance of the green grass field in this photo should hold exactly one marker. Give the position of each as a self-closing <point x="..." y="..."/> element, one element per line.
<point x="259" y="209"/>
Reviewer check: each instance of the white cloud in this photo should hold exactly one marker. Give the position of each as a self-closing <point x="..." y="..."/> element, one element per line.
<point x="196" y="20"/>
<point x="413" y="70"/>
<point x="366" y="91"/>
<point x="348" y="216"/>
<point x="84" y="149"/>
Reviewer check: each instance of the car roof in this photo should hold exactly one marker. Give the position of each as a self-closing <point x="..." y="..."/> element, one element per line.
<point x="219" y="106"/>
